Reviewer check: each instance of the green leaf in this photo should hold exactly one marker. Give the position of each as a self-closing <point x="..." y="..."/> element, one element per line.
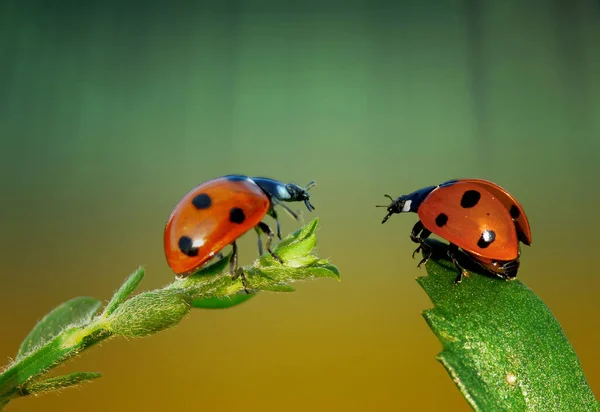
<point x="77" y="311"/>
<point x="58" y="382"/>
<point x="299" y="264"/>
<point x="124" y="291"/>
<point x="298" y="244"/>
<point x="501" y="344"/>
<point x="217" y="302"/>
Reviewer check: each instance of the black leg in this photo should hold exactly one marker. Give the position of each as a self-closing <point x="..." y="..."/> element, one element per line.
<point x="416" y="230"/>
<point x="290" y="211"/>
<point x="452" y="252"/>
<point x="259" y="240"/>
<point x="234" y="270"/>
<point x="418" y="235"/>
<point x="270" y="235"/>
<point x="278" y="226"/>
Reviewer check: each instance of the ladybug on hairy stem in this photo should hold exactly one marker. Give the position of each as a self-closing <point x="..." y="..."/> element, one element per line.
<point x="217" y="212"/>
<point x="475" y="215"/>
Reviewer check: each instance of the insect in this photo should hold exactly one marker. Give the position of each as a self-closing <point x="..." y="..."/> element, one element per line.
<point x="475" y="215"/>
<point x="217" y="212"/>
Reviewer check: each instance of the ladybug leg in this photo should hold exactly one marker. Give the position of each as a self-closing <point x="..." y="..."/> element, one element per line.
<point x="293" y="214"/>
<point x="234" y="270"/>
<point x="278" y="226"/>
<point x="416" y="230"/>
<point x="452" y="251"/>
<point x="260" y="244"/>
<point x="270" y="235"/>
<point x="418" y="235"/>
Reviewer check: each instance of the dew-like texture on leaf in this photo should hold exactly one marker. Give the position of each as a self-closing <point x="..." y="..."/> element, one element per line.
<point x="502" y="346"/>
<point x="76" y="311"/>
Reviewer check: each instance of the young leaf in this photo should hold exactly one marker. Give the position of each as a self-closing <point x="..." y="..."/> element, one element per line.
<point x="501" y="344"/>
<point x="58" y="382"/>
<point x="76" y="311"/>
<point x="124" y="291"/>
<point x="224" y="302"/>
<point x="266" y="274"/>
<point x="299" y="243"/>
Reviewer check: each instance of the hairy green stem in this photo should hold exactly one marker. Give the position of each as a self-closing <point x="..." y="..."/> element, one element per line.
<point x="67" y="344"/>
<point x="76" y="324"/>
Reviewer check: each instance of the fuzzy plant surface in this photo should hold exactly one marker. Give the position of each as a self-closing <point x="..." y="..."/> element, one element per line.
<point x="80" y="323"/>
<point x="502" y="346"/>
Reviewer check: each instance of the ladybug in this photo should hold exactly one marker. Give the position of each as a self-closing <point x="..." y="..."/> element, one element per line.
<point x="217" y="212"/>
<point x="475" y="215"/>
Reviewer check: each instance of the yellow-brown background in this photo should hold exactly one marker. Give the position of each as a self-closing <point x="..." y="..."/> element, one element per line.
<point x="110" y="112"/>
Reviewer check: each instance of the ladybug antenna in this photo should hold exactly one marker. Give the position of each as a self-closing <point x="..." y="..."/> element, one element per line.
<point x="389" y="197"/>
<point x="392" y="208"/>
<point x="298" y="193"/>
<point x="307" y="203"/>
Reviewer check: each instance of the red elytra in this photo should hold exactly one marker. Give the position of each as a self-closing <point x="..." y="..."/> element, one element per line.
<point x="465" y="226"/>
<point x="511" y="204"/>
<point x="476" y="215"/>
<point x="201" y="225"/>
<point x="217" y="212"/>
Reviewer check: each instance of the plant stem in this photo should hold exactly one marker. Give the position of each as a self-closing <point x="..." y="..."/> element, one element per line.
<point x="71" y="327"/>
<point x="65" y="345"/>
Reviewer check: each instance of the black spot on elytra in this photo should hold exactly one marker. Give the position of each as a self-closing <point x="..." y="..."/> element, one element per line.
<point x="514" y="212"/>
<point x="236" y="215"/>
<point x="441" y="220"/>
<point x="486" y="238"/>
<point x="186" y="245"/>
<point x="236" y="178"/>
<point x="202" y="201"/>
<point x="470" y="198"/>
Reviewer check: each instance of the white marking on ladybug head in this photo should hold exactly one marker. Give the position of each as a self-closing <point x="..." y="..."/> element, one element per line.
<point x="406" y="207"/>
<point x="282" y="192"/>
<point x="198" y="243"/>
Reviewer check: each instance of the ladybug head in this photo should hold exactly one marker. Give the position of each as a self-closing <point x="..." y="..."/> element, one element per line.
<point x="298" y="193"/>
<point x="280" y="192"/>
<point x="399" y="205"/>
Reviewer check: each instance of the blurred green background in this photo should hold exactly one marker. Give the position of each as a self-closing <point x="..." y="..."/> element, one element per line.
<point x="110" y="112"/>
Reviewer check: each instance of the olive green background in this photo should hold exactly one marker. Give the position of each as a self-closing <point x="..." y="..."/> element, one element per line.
<point x="111" y="111"/>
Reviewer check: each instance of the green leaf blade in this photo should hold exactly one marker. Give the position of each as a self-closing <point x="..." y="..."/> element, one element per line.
<point x="124" y="291"/>
<point x="266" y="274"/>
<point x="59" y="382"/>
<point x="501" y="344"/>
<point x="77" y="311"/>
<point x="298" y="244"/>
<point x="217" y="302"/>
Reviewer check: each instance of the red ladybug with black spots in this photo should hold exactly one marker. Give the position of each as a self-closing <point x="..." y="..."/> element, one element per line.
<point x="217" y="212"/>
<point x="475" y="215"/>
